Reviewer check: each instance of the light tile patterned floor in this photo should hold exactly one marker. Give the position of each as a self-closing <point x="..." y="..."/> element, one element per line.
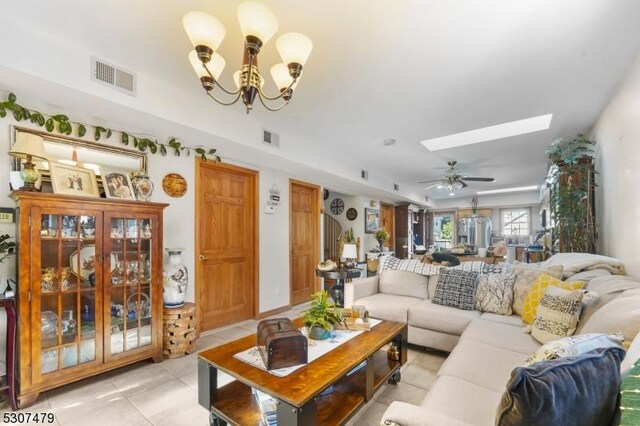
<point x="166" y="393"/>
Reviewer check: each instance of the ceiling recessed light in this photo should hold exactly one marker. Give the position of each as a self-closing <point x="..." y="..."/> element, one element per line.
<point x="499" y="131"/>
<point x="388" y="142"/>
<point x="517" y="189"/>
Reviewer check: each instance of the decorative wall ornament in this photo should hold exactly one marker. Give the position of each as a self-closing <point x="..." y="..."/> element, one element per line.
<point x="174" y="185"/>
<point x="62" y="124"/>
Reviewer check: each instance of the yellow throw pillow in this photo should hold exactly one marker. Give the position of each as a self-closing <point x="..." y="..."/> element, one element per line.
<point x="532" y="300"/>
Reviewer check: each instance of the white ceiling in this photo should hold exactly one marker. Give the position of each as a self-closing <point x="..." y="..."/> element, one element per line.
<point x="409" y="70"/>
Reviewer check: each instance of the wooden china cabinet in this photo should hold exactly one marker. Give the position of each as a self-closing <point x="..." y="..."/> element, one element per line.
<point x="89" y="290"/>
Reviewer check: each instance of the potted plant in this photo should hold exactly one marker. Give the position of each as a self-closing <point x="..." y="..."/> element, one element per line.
<point x="321" y="316"/>
<point x="381" y="236"/>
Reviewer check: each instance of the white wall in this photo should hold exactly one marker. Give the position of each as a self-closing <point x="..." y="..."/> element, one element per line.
<point x="617" y="132"/>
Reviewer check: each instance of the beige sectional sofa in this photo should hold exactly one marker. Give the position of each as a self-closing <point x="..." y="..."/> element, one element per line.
<point x="484" y="347"/>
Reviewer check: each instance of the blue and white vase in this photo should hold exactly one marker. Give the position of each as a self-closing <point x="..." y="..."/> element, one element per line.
<point x="174" y="279"/>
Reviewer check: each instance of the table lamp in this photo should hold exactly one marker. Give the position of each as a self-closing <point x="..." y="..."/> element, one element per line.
<point x="27" y="147"/>
<point x="349" y="253"/>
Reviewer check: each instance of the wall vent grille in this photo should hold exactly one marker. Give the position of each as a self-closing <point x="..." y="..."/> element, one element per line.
<point x="270" y="138"/>
<point x="396" y="187"/>
<point x="115" y="77"/>
<point x="364" y="174"/>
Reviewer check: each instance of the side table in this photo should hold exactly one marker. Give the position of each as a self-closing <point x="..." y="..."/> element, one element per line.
<point x="337" y="291"/>
<point x="9" y="305"/>
<point x="178" y="330"/>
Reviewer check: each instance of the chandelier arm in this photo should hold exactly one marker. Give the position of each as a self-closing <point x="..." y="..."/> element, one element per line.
<point x="237" y="92"/>
<point x="224" y="103"/>
<point x="281" y="93"/>
<point x="272" y="109"/>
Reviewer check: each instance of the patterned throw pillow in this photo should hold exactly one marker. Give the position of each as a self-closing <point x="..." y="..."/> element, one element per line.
<point x="410" y="265"/>
<point x="526" y="274"/>
<point x="557" y="314"/>
<point x="530" y="306"/>
<point x="456" y="288"/>
<point x="475" y="266"/>
<point x="574" y="345"/>
<point x="495" y="293"/>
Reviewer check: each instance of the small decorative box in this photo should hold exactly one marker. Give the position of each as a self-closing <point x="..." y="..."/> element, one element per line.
<point x="281" y="344"/>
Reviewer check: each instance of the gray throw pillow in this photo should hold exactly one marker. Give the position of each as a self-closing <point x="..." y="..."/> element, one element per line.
<point x="576" y="390"/>
<point x="457" y="289"/>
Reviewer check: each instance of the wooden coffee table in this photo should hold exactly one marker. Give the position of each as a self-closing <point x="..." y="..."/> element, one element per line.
<point x="299" y="394"/>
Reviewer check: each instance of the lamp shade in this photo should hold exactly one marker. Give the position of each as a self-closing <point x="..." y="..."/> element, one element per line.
<point x="257" y="20"/>
<point x="294" y="48"/>
<point x="28" y="144"/>
<point x="280" y="74"/>
<point x="203" y="29"/>
<point x="349" y="251"/>
<point x="215" y="65"/>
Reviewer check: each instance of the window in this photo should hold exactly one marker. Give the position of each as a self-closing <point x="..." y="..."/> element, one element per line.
<point x="515" y="221"/>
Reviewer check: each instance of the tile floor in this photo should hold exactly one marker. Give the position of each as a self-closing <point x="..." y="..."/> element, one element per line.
<point x="166" y="393"/>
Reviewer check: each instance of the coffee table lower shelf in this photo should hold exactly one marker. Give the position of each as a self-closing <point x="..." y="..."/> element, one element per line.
<point x="235" y="404"/>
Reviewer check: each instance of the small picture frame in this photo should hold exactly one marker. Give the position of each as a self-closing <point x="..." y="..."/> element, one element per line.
<point x="371" y="221"/>
<point x="72" y="180"/>
<point x="117" y="184"/>
<point x="7" y="215"/>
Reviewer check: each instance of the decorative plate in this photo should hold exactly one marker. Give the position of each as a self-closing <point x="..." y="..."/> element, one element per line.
<point x="352" y="213"/>
<point x="337" y="206"/>
<point x="87" y="261"/>
<point x="174" y="185"/>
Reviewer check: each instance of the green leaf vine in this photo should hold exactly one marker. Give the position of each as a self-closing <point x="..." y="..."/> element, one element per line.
<point x="62" y="124"/>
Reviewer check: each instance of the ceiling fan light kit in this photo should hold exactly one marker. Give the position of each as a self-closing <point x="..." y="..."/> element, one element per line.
<point x="258" y="25"/>
<point x="453" y="179"/>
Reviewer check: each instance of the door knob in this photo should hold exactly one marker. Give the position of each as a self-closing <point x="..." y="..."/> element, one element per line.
<point x="202" y="257"/>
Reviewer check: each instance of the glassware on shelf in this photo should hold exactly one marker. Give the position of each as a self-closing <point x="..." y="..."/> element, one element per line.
<point x="132" y="272"/>
<point x="117" y="273"/>
<point x="49" y="324"/>
<point x="65" y="275"/>
<point x="49" y="280"/>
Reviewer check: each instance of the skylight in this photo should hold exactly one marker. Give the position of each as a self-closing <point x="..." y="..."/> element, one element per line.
<point x="499" y="131"/>
<point x="503" y="190"/>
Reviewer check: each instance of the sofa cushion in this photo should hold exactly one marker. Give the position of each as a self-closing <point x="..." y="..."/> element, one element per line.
<point x="608" y="288"/>
<point x="388" y="307"/>
<point x="525" y="275"/>
<point x="501" y="335"/>
<point x="482" y="364"/>
<point x="445" y="319"/>
<point x="494" y="293"/>
<point x="456" y="289"/>
<point x="531" y="302"/>
<point x="504" y="319"/>
<point x="403" y="283"/>
<point x="463" y="401"/>
<point x="577" y="390"/>
<point x="587" y="276"/>
<point x="557" y="315"/>
<point x="574" y="345"/>
<point x="621" y="315"/>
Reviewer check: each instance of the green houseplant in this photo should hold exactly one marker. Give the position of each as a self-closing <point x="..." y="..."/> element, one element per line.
<point x="322" y="316"/>
<point x="381" y="236"/>
<point x="571" y="178"/>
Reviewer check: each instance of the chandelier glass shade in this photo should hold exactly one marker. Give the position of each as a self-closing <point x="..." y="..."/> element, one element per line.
<point x="258" y="25"/>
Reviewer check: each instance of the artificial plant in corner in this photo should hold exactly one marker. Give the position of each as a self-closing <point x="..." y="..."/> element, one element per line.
<point x="571" y="178"/>
<point x="62" y="124"/>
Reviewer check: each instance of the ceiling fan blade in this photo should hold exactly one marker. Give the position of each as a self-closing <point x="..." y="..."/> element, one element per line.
<point x="431" y="180"/>
<point x="432" y="186"/>
<point x="464" y="184"/>
<point x="479" y="179"/>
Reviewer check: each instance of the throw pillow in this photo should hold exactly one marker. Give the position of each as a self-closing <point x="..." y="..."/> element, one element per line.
<point x="525" y="275"/>
<point x="577" y="390"/>
<point x="475" y="265"/>
<point x="621" y="315"/>
<point x="530" y="305"/>
<point x="456" y="288"/>
<point x="494" y="293"/>
<point x="574" y="345"/>
<point x="557" y="315"/>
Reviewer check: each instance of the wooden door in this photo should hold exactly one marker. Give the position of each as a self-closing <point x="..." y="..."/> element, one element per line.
<point x="387" y="222"/>
<point x="304" y="237"/>
<point x="226" y="244"/>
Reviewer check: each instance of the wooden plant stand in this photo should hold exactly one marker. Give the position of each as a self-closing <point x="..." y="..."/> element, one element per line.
<point x="179" y="330"/>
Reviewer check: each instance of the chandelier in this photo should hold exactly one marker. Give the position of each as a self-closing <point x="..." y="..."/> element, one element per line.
<point x="258" y="24"/>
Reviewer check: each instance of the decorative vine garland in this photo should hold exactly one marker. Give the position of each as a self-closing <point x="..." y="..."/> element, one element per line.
<point x="62" y="124"/>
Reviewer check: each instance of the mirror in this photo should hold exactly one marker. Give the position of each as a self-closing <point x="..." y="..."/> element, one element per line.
<point x="90" y="155"/>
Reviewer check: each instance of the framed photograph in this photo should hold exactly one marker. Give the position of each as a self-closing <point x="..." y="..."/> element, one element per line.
<point x="7" y="215"/>
<point x="371" y="221"/>
<point x="72" y="180"/>
<point x="117" y="184"/>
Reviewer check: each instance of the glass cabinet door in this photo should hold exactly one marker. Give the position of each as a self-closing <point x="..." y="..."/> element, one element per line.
<point x="128" y="279"/>
<point x="66" y="291"/>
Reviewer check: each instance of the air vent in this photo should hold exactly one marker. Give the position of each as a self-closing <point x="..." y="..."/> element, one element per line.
<point x="116" y="77"/>
<point x="270" y="138"/>
<point x="364" y="174"/>
<point x="396" y="187"/>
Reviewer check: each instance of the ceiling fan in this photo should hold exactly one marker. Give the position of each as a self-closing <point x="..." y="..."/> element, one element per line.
<point x="453" y="179"/>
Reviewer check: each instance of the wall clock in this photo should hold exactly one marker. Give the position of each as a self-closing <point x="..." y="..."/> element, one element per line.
<point x="352" y="213"/>
<point x="337" y="206"/>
